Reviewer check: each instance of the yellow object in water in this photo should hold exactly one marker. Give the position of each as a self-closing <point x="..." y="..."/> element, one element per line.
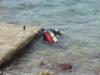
<point x="46" y="72"/>
<point x="53" y="37"/>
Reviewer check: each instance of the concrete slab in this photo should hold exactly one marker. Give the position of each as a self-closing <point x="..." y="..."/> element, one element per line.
<point x="13" y="38"/>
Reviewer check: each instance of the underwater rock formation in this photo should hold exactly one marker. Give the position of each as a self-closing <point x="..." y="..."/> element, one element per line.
<point x="64" y="66"/>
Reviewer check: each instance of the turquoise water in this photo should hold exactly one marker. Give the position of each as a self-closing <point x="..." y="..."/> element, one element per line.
<point x="80" y="21"/>
<point x="50" y="11"/>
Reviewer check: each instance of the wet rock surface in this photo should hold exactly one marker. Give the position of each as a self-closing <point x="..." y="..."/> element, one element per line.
<point x="65" y="66"/>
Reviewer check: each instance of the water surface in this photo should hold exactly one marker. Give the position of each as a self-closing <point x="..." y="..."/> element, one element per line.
<point x="80" y="21"/>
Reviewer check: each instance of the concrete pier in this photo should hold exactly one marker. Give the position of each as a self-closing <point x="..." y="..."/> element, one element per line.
<point x="13" y="38"/>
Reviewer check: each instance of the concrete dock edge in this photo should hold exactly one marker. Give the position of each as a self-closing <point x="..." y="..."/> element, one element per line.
<point x="13" y="39"/>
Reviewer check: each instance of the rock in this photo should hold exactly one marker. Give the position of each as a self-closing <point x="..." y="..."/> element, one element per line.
<point x="97" y="55"/>
<point x="46" y="72"/>
<point x="41" y="63"/>
<point x="64" y="66"/>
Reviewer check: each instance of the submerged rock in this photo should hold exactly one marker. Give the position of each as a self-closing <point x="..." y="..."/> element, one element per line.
<point x="42" y="63"/>
<point x="65" y="66"/>
<point x="97" y="55"/>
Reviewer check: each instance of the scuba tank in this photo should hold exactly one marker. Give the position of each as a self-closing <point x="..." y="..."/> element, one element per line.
<point x="47" y="37"/>
<point x="54" y="38"/>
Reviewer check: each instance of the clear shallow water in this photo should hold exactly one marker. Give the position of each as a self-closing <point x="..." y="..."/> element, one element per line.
<point x="80" y="21"/>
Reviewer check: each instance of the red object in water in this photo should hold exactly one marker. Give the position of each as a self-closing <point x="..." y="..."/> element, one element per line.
<point x="65" y="66"/>
<point x="48" y="37"/>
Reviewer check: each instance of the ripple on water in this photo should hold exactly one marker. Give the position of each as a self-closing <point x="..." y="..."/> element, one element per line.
<point x="79" y="19"/>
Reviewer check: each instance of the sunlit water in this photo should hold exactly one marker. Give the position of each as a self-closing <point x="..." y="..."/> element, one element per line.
<point x="80" y="44"/>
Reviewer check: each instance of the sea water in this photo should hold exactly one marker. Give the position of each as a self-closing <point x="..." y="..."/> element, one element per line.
<point x="79" y="46"/>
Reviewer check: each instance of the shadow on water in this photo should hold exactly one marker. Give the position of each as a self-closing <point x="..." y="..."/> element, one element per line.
<point x="15" y="57"/>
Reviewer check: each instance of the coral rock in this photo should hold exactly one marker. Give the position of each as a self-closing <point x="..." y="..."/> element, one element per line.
<point x="65" y="66"/>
